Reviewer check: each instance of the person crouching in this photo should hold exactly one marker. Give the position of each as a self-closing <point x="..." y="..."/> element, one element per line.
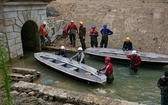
<point x="108" y="70"/>
<point x="62" y="52"/>
<point x="79" y="56"/>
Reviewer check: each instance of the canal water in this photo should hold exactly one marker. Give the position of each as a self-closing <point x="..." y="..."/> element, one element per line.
<point x="138" y="88"/>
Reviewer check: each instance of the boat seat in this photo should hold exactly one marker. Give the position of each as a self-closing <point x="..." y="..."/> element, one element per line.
<point x="50" y="60"/>
<point x="73" y="68"/>
<point x="61" y="64"/>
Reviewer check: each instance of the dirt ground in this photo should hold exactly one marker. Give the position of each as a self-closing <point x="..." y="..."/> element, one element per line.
<point x="145" y="21"/>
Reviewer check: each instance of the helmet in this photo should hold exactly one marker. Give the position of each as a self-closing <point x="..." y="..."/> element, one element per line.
<point x="134" y="52"/>
<point x="108" y="59"/>
<point x="93" y="27"/>
<point x="127" y="38"/>
<point x="80" y="49"/>
<point x="72" y="21"/>
<point x="104" y="25"/>
<point x="45" y="23"/>
<point x="62" y="47"/>
<point x="166" y="73"/>
<point x="81" y="23"/>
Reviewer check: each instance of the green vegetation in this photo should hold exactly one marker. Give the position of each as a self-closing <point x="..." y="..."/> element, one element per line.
<point x="4" y="70"/>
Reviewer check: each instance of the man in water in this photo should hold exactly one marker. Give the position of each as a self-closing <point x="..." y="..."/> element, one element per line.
<point x="108" y="70"/>
<point x="163" y="85"/>
<point x="105" y="32"/>
<point x="135" y="61"/>
<point x="62" y="53"/>
<point x="127" y="44"/>
<point x="80" y="56"/>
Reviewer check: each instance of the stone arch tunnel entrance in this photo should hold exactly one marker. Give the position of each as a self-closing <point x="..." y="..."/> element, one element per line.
<point x="30" y="36"/>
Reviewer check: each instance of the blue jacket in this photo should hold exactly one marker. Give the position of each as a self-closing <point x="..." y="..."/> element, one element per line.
<point x="62" y="53"/>
<point x="127" y="46"/>
<point x="106" y="31"/>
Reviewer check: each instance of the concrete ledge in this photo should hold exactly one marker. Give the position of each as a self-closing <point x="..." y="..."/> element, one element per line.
<point x="24" y="3"/>
<point x="72" y="97"/>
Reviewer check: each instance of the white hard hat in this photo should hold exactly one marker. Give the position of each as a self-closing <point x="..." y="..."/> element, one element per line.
<point x="80" y="48"/>
<point x="45" y="23"/>
<point x="62" y="47"/>
<point x="134" y="52"/>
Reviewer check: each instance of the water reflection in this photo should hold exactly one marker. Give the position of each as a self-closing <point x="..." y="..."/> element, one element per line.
<point x="140" y="88"/>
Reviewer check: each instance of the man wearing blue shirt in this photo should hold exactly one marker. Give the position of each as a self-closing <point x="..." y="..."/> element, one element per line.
<point x="105" y="32"/>
<point x="62" y="53"/>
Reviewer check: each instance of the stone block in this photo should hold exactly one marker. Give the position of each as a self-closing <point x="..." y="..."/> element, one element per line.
<point x="11" y="42"/>
<point x="9" y="28"/>
<point x="20" y="52"/>
<point x="10" y="9"/>
<point x="2" y="35"/>
<point x="25" y="15"/>
<point x="43" y="17"/>
<point x="12" y="48"/>
<point x="19" y="22"/>
<point x="42" y="12"/>
<point x="8" y="15"/>
<point x="18" y="46"/>
<point x="21" y="16"/>
<point x="12" y="35"/>
<point x="18" y="40"/>
<point x="17" y="28"/>
<point x="32" y="14"/>
<point x="10" y="21"/>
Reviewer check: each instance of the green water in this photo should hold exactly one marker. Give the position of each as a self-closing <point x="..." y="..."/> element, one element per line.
<point x="140" y="88"/>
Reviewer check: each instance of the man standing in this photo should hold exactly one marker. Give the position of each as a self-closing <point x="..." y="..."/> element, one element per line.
<point x="108" y="70"/>
<point x="135" y="61"/>
<point x="80" y="56"/>
<point x="127" y="44"/>
<point x="72" y="29"/>
<point x="163" y="85"/>
<point x="93" y="36"/>
<point x="82" y="34"/>
<point x="44" y="33"/>
<point x="62" y="53"/>
<point x="105" y="32"/>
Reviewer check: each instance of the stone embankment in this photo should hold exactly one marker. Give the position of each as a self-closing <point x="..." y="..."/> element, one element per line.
<point x="46" y="95"/>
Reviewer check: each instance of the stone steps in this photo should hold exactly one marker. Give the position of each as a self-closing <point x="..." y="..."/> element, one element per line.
<point x="24" y="74"/>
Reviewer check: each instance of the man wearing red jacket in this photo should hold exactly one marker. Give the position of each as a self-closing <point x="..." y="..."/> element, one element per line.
<point x="135" y="61"/>
<point x="108" y="70"/>
<point x="72" y="29"/>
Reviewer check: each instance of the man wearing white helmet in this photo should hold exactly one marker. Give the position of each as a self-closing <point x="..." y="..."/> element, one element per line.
<point x="135" y="61"/>
<point x="44" y="29"/>
<point x="79" y="56"/>
<point x="62" y="53"/>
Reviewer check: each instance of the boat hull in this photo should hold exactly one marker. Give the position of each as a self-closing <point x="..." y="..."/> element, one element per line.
<point x="69" y="76"/>
<point x="119" y="56"/>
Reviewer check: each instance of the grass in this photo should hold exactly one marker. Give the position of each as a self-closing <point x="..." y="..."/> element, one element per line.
<point x="4" y="70"/>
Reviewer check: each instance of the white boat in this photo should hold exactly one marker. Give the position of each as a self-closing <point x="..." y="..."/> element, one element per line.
<point x="81" y="72"/>
<point x="118" y="54"/>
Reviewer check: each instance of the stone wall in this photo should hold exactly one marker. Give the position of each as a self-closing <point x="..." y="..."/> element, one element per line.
<point x="145" y="21"/>
<point x="52" y="95"/>
<point x="15" y="15"/>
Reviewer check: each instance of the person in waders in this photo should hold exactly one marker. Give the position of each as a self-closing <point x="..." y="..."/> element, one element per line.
<point x="163" y="86"/>
<point x="44" y="29"/>
<point x="82" y="34"/>
<point x="79" y="56"/>
<point x="72" y="30"/>
<point x="108" y="70"/>
<point x="127" y="44"/>
<point x="135" y="61"/>
<point x="62" y="52"/>
<point x="93" y="37"/>
<point x="105" y="32"/>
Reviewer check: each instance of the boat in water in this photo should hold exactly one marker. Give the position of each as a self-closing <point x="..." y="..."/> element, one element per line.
<point x="81" y="72"/>
<point x="118" y="54"/>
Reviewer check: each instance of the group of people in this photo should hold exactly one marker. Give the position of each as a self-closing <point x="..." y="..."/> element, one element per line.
<point x="72" y="30"/>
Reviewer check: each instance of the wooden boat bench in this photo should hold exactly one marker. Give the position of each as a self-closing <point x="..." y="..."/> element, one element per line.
<point x="61" y="64"/>
<point x="50" y="60"/>
<point x="73" y="68"/>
